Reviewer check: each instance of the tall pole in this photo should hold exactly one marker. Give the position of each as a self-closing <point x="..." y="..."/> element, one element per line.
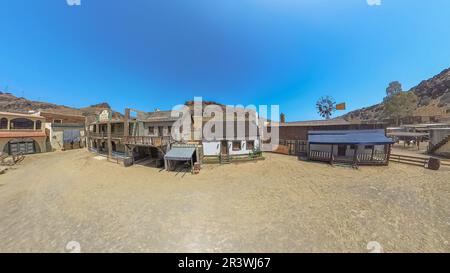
<point x="126" y="129"/>
<point x="109" y="140"/>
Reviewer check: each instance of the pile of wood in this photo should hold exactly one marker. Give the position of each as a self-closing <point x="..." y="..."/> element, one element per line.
<point x="11" y="160"/>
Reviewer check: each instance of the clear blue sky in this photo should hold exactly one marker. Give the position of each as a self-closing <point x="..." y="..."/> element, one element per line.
<point x="158" y="53"/>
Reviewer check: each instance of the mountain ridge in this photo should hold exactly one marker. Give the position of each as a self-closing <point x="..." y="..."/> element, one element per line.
<point x="11" y="103"/>
<point x="433" y="100"/>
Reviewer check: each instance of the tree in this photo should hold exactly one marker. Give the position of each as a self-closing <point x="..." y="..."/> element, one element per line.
<point x="400" y="105"/>
<point x="394" y="87"/>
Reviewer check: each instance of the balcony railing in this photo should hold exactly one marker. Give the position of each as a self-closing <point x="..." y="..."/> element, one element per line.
<point x="105" y="135"/>
<point x="147" y="140"/>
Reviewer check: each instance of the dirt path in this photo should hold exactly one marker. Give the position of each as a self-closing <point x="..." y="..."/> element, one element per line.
<point x="276" y="205"/>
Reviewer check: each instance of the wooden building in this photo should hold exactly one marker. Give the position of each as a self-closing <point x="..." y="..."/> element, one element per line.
<point x="355" y="147"/>
<point x="293" y="136"/>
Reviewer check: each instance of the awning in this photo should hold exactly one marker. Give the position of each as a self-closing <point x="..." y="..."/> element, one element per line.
<point x="361" y="137"/>
<point x="180" y="153"/>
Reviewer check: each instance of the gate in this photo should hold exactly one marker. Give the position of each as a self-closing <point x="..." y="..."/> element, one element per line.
<point x="26" y="147"/>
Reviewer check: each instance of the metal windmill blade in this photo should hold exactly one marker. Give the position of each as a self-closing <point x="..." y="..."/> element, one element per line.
<point x="326" y="107"/>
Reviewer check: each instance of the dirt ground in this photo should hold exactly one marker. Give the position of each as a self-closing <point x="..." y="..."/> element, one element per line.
<point x="276" y="205"/>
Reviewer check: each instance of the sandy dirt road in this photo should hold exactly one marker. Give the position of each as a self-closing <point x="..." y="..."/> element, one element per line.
<point x="276" y="205"/>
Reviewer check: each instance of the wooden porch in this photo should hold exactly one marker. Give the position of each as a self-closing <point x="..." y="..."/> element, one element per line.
<point x="358" y="159"/>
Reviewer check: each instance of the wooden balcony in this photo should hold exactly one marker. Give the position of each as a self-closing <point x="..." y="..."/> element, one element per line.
<point x="105" y="135"/>
<point x="147" y="141"/>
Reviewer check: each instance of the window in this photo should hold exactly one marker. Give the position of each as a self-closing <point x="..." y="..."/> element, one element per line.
<point x="38" y="125"/>
<point x="151" y="130"/>
<point x="57" y="121"/>
<point x="236" y="145"/>
<point x="169" y="130"/>
<point x="250" y="145"/>
<point x="4" y="123"/>
<point x="353" y="147"/>
<point x="368" y="147"/>
<point x="22" y="123"/>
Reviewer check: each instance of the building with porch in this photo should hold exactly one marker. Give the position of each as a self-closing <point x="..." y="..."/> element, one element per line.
<point x="137" y="138"/>
<point x="355" y="147"/>
<point x="105" y="135"/>
<point x="22" y="133"/>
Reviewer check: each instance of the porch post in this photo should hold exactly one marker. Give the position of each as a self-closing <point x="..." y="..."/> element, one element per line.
<point x="126" y="129"/>
<point x="355" y="155"/>
<point x="373" y="151"/>
<point x="331" y="154"/>
<point x="109" y="140"/>
<point x="88" y="134"/>
<point x="388" y="153"/>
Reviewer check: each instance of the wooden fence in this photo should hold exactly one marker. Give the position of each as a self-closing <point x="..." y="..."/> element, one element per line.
<point x="294" y="147"/>
<point x="415" y="160"/>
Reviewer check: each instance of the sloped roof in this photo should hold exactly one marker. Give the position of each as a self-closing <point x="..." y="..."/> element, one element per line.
<point x="318" y="123"/>
<point x="156" y="116"/>
<point x="180" y="153"/>
<point x="363" y="137"/>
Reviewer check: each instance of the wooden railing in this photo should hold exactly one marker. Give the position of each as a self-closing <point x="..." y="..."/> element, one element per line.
<point x="363" y="158"/>
<point x="379" y="157"/>
<point x="105" y="135"/>
<point x="320" y="156"/>
<point x="147" y="140"/>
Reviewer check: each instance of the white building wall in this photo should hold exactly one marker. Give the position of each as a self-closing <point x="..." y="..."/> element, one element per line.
<point x="213" y="148"/>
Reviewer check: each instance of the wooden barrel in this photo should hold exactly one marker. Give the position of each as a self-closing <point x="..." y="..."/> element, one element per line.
<point x="434" y="163"/>
<point x="127" y="162"/>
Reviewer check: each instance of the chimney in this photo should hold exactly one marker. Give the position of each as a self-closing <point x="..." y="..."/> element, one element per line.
<point x="282" y="118"/>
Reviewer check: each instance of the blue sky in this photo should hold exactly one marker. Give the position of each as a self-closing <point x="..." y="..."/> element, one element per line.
<point x="150" y="54"/>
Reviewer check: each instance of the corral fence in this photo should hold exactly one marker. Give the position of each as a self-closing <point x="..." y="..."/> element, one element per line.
<point x="294" y="147"/>
<point x="416" y="160"/>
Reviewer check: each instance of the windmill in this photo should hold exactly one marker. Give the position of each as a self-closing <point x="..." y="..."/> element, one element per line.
<point x="326" y="107"/>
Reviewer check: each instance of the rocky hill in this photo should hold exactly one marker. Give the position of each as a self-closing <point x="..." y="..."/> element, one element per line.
<point x="433" y="95"/>
<point x="11" y="103"/>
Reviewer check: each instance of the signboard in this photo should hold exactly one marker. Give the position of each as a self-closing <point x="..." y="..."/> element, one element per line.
<point x="105" y="115"/>
<point x="340" y="106"/>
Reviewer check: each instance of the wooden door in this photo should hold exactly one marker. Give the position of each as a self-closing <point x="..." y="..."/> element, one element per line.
<point x="342" y="149"/>
<point x="224" y="147"/>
